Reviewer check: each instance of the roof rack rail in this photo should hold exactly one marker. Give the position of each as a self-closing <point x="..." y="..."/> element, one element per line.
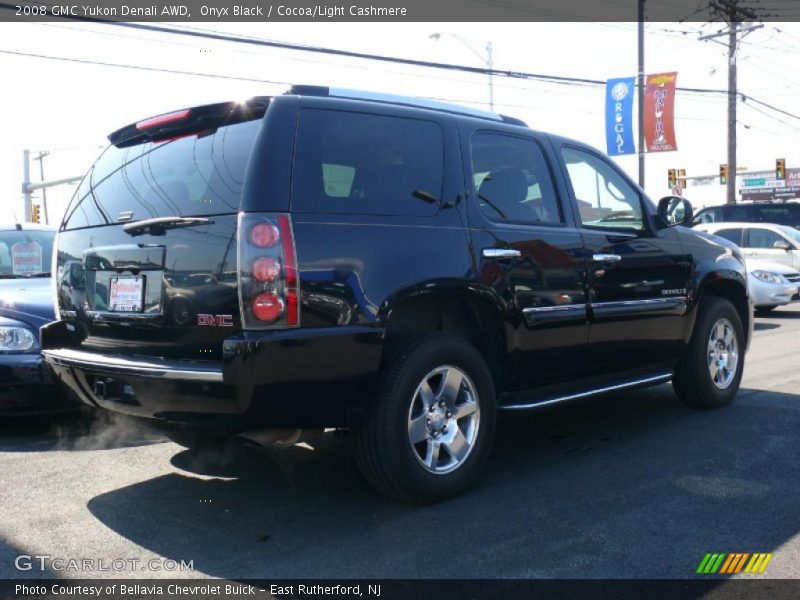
<point x="319" y="90"/>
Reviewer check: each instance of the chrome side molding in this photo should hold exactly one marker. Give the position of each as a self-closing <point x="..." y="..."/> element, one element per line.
<point x="633" y="383"/>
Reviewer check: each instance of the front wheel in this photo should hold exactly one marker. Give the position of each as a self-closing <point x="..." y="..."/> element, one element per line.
<point x="430" y="430"/>
<point x="709" y="374"/>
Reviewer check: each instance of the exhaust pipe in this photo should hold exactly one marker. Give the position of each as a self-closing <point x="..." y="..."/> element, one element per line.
<point x="282" y="438"/>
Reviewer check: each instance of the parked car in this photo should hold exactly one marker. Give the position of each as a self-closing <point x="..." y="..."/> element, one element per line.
<point x="772" y="284"/>
<point x="405" y="270"/>
<point x="781" y="213"/>
<point x="771" y="243"/>
<point x="26" y="303"/>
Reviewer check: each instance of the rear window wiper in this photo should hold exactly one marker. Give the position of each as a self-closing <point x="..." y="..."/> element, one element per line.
<point x="159" y="225"/>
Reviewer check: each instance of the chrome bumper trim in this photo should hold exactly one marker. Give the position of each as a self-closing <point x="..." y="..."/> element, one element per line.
<point x="162" y="369"/>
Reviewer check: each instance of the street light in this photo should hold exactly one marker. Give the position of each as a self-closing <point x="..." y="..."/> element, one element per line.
<point x="488" y="59"/>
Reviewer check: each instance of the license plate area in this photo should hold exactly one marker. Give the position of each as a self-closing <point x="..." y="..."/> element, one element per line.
<point x="126" y="293"/>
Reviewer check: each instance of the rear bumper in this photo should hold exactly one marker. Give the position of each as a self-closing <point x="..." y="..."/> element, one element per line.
<point x="287" y="378"/>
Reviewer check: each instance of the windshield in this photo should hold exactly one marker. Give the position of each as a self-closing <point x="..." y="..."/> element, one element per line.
<point x="791" y="233"/>
<point x="25" y="253"/>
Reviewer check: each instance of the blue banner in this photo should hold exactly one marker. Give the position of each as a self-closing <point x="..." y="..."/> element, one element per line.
<point x="619" y="116"/>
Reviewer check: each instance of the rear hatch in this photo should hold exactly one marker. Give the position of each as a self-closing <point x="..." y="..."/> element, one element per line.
<point x="147" y="253"/>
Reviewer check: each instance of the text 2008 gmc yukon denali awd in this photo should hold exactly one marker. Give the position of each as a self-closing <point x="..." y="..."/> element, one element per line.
<point x="404" y="269"/>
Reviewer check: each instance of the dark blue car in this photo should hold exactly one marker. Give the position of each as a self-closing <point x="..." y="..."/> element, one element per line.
<point x="26" y="303"/>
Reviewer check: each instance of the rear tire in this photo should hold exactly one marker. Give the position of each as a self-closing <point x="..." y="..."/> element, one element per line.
<point x="710" y="372"/>
<point x="430" y="430"/>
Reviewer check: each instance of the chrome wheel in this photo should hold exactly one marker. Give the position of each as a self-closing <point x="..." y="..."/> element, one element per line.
<point x="443" y="420"/>
<point x="723" y="353"/>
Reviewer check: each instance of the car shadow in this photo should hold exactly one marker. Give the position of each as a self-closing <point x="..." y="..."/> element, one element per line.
<point x="782" y="313"/>
<point x="574" y="492"/>
<point x="82" y="430"/>
<point x="761" y="326"/>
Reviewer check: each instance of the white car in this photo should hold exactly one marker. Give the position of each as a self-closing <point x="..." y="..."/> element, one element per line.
<point x="772" y="284"/>
<point x="761" y="241"/>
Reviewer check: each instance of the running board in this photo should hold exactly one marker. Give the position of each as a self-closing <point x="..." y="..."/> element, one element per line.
<point x="625" y="385"/>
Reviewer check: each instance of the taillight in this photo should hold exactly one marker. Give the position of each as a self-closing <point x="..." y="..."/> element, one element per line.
<point x="268" y="277"/>
<point x="264" y="235"/>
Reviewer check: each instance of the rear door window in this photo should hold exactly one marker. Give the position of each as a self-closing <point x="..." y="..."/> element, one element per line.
<point x="785" y="214"/>
<point x="190" y="176"/>
<point x="512" y="180"/>
<point x="356" y="163"/>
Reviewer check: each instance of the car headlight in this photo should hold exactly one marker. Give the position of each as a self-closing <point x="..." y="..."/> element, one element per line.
<point x="17" y="339"/>
<point x="769" y="277"/>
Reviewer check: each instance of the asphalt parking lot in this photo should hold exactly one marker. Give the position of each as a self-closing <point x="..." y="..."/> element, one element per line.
<point x="632" y="485"/>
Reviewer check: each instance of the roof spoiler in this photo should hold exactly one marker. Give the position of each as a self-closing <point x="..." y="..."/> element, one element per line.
<point x="189" y="121"/>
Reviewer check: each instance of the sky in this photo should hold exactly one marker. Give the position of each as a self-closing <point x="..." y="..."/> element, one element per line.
<point x="68" y="108"/>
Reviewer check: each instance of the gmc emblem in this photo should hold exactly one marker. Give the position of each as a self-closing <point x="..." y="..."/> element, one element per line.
<point x="215" y="320"/>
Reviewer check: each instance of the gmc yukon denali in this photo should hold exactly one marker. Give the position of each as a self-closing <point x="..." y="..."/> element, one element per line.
<point x="393" y="267"/>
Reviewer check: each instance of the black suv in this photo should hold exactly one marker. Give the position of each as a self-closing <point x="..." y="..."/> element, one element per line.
<point x="780" y="213"/>
<point x="398" y="268"/>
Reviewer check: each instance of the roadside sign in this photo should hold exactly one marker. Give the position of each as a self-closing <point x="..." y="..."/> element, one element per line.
<point x="755" y="182"/>
<point x="677" y="191"/>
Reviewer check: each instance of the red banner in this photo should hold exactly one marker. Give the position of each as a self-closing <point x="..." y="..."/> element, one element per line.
<point x="659" y="113"/>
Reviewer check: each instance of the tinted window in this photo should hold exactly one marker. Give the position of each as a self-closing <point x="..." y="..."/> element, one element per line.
<point x="605" y="199"/>
<point x="733" y="235"/>
<point x="25" y="253"/>
<point x="762" y="238"/>
<point x="366" y="164"/>
<point x="512" y="181"/>
<point x="785" y="213"/>
<point x="708" y="215"/>
<point x="195" y="175"/>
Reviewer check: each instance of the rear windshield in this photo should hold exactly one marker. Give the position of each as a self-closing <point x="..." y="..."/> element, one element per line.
<point x="25" y="253"/>
<point x="189" y="176"/>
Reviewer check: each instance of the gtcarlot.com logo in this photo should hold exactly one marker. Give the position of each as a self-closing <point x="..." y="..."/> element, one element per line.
<point x="46" y="562"/>
<point x="723" y="563"/>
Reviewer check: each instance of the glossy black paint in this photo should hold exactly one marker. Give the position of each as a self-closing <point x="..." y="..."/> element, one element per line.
<point x="555" y="316"/>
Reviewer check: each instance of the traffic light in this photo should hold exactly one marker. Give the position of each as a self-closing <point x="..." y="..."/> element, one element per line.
<point x="780" y="168"/>
<point x="672" y="178"/>
<point x="35" y="213"/>
<point x="723" y="174"/>
<point x="682" y="178"/>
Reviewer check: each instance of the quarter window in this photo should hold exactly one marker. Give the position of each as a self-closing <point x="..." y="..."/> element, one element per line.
<point x="367" y="164"/>
<point x="511" y="180"/>
<point x="605" y="199"/>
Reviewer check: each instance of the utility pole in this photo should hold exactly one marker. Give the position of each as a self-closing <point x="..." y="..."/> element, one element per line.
<point x="40" y="158"/>
<point x="26" y="181"/>
<point x="640" y="84"/>
<point x="730" y="12"/>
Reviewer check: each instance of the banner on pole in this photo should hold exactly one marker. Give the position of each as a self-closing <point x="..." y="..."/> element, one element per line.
<point x="619" y="116"/>
<point x="659" y="112"/>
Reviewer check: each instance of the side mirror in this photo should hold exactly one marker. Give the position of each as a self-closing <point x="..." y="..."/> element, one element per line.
<point x="782" y="245"/>
<point x="675" y="210"/>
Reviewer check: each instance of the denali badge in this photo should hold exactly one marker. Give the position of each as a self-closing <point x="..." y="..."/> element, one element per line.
<point x="215" y="320"/>
<point x="675" y="292"/>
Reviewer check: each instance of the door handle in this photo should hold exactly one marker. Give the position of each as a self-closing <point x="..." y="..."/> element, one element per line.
<point x="501" y="253"/>
<point x="606" y="258"/>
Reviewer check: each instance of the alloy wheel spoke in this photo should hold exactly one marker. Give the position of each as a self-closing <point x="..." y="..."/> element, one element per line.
<point x="418" y="429"/>
<point x="426" y="394"/>
<point x="459" y="447"/>
<point x="432" y="454"/>
<point x="719" y="333"/>
<point x="713" y="369"/>
<point x="464" y="410"/>
<point x="451" y="386"/>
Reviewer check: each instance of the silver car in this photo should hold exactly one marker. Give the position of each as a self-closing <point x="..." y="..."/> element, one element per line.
<point x="772" y="284"/>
